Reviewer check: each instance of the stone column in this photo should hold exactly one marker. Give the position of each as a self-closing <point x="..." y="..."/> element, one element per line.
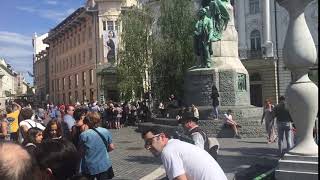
<point x="299" y="55"/>
<point x="240" y="10"/>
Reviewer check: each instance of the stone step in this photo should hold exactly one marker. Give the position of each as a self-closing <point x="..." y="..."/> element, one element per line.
<point x="166" y="121"/>
<point x="166" y="128"/>
<point x="295" y="175"/>
<point x="292" y="165"/>
<point x="300" y="158"/>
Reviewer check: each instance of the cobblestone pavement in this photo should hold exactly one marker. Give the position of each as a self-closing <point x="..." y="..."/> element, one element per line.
<point x="131" y="161"/>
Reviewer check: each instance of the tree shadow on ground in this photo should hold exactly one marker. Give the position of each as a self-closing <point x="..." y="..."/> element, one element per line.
<point x="144" y="160"/>
<point x="260" y="151"/>
<point x="254" y="142"/>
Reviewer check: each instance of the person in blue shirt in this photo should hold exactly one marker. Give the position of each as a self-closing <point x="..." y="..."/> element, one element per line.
<point x="94" y="144"/>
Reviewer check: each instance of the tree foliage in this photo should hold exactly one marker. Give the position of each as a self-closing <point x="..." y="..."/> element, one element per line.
<point x="172" y="52"/>
<point x="165" y="53"/>
<point x="134" y="53"/>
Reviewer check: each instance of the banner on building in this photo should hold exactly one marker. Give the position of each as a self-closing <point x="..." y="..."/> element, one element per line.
<point x="110" y="42"/>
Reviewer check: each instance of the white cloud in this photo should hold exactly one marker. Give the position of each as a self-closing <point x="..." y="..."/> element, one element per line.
<point x="17" y="50"/>
<point x="51" y="2"/>
<point x="15" y="38"/>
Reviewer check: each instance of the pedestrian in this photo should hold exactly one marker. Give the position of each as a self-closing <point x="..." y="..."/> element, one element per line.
<point x="195" y="111"/>
<point x="284" y="124"/>
<point x="33" y="138"/>
<point x="57" y="159"/>
<point x="182" y="160"/>
<point x="230" y="122"/>
<point x="215" y="102"/>
<point x="53" y="130"/>
<point x="15" y="162"/>
<point x="68" y="117"/>
<point x="27" y="123"/>
<point x="269" y="121"/>
<point x="13" y="111"/>
<point x="79" y="115"/>
<point x="4" y="128"/>
<point x="190" y="124"/>
<point x="94" y="145"/>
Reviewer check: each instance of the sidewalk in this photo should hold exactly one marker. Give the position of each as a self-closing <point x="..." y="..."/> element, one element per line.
<point x="131" y="161"/>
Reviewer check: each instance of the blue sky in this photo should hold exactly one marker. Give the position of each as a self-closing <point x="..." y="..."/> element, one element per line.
<point x="20" y="19"/>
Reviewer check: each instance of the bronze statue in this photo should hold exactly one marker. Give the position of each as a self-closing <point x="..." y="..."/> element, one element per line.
<point x="213" y="20"/>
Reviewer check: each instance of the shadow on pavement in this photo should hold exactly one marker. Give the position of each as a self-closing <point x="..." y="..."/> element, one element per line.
<point x="263" y="152"/>
<point x="253" y="142"/>
<point x="143" y="160"/>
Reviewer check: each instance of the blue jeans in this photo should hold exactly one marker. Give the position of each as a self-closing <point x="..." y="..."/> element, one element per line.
<point x="284" y="129"/>
<point x="215" y="112"/>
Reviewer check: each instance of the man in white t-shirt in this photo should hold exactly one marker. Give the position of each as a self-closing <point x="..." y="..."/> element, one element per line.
<point x="27" y="123"/>
<point x="182" y="160"/>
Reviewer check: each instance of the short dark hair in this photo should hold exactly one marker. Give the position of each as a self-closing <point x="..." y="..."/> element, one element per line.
<point x="60" y="156"/>
<point x="154" y="131"/>
<point x="26" y="113"/>
<point x="229" y="111"/>
<point x="78" y="113"/>
<point x="282" y="98"/>
<point x="15" y="162"/>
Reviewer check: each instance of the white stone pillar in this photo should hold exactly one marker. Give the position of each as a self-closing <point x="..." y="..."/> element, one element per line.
<point x="302" y="94"/>
<point x="267" y="45"/>
<point x="241" y="21"/>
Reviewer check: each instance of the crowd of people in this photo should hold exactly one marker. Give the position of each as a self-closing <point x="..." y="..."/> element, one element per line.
<point x="63" y="141"/>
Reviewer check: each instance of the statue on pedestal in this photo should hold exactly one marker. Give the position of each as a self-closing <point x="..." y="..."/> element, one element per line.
<point x="213" y="19"/>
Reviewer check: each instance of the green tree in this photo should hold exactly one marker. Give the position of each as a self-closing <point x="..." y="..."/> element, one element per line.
<point x="172" y="51"/>
<point x="134" y="53"/>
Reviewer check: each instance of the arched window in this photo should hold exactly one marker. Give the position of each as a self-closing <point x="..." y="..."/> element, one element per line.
<point x="254" y="6"/>
<point x="255" y="40"/>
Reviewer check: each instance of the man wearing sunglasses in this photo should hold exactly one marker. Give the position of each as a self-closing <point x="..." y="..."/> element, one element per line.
<point x="181" y="160"/>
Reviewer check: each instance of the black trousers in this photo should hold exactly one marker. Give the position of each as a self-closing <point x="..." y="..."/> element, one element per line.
<point x="109" y="174"/>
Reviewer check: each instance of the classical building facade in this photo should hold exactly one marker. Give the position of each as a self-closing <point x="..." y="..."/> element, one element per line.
<point x="261" y="41"/>
<point x="82" y="52"/>
<point x="72" y="58"/>
<point x="41" y="76"/>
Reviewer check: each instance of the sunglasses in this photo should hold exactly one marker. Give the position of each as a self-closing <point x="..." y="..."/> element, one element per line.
<point x="148" y="142"/>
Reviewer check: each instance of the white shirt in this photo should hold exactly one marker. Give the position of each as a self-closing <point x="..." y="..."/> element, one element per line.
<point x="179" y="158"/>
<point x="31" y="123"/>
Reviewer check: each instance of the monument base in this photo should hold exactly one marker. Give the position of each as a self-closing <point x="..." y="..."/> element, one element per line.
<point x="296" y="167"/>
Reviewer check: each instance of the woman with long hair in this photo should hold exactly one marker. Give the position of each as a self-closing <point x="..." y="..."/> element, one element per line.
<point x="53" y="130"/>
<point x="269" y="120"/>
<point x="215" y="102"/>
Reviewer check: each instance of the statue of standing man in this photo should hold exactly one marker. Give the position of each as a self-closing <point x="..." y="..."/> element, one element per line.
<point x="203" y="38"/>
<point x="213" y="20"/>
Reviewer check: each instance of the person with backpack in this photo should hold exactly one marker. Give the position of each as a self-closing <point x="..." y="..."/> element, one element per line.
<point x="198" y="136"/>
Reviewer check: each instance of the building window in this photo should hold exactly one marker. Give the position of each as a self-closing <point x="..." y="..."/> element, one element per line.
<point x="63" y="83"/>
<point x="69" y="82"/>
<point x="52" y="82"/>
<point x="84" y="95"/>
<point x="76" y="80"/>
<point x="70" y="98"/>
<point x="254" y="6"/>
<point x="104" y="26"/>
<point x="91" y="95"/>
<point x="58" y="87"/>
<point x="64" y="98"/>
<point x="116" y="24"/>
<point x="83" y="56"/>
<point x="83" y="78"/>
<point x="89" y="33"/>
<point x="79" y="39"/>
<point x="91" y="76"/>
<point x="110" y="25"/>
<point x="76" y="96"/>
<point x="90" y="53"/>
<point x="255" y="40"/>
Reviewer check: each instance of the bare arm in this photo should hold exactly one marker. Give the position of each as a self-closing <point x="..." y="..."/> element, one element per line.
<point x="18" y="106"/>
<point x="111" y="147"/>
<point x="181" y="177"/>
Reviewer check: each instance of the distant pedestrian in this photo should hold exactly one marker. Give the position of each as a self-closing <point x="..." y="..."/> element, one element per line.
<point x="162" y="109"/>
<point x="284" y="123"/>
<point x="215" y="102"/>
<point x="182" y="160"/>
<point x="269" y="120"/>
<point x="195" y="111"/>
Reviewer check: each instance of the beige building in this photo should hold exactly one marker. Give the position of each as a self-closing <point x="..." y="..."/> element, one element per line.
<point x="73" y="58"/>
<point x="82" y="52"/>
<point x="41" y="77"/>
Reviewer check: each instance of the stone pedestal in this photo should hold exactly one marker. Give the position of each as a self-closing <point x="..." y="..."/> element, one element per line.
<point x="297" y="167"/>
